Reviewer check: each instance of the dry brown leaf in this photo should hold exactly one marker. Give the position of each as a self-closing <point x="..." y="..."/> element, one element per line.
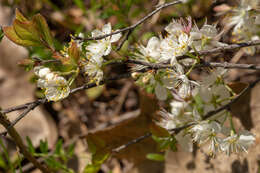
<point x="131" y="129"/>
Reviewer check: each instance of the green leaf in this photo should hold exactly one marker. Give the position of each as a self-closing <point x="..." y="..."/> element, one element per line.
<point x="199" y="103"/>
<point x="100" y="157"/>
<point x="51" y="162"/>
<point x="91" y="168"/>
<point x="70" y="151"/>
<point x="74" y="53"/>
<point x="58" y="149"/>
<point x="155" y="157"/>
<point x="11" y="34"/>
<point x="43" y="28"/>
<point x="1" y="34"/>
<point x="19" y="16"/>
<point x="26" y="31"/>
<point x="30" y="145"/>
<point x="95" y="92"/>
<point x="44" y="146"/>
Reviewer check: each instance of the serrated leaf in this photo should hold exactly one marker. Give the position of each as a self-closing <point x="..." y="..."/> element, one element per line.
<point x="74" y="53"/>
<point x="19" y="16"/>
<point x="11" y="34"/>
<point x="30" y="145"/>
<point x="155" y="157"/>
<point x="26" y="31"/>
<point x="43" y="28"/>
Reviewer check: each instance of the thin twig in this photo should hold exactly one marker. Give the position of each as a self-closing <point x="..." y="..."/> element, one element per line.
<point x="18" y="140"/>
<point x="227" y="65"/>
<point x="32" y="105"/>
<point x="227" y="106"/>
<point x="124" y="40"/>
<point x="134" y="141"/>
<point x="221" y="49"/>
<point x="132" y="27"/>
<point x="179" y="129"/>
<point x="21" y="107"/>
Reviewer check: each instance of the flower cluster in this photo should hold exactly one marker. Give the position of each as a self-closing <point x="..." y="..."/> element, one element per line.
<point x="210" y="95"/>
<point x="55" y="87"/>
<point x="245" y="19"/>
<point x="191" y="101"/>
<point x="96" y="51"/>
<point x="182" y="38"/>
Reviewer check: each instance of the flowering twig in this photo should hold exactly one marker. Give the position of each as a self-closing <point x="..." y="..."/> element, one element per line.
<point x="18" y="140"/>
<point x="179" y="129"/>
<point x="227" y="106"/>
<point x="229" y="65"/>
<point x="223" y="48"/>
<point x="225" y="65"/>
<point x="132" y="27"/>
<point x="32" y="105"/>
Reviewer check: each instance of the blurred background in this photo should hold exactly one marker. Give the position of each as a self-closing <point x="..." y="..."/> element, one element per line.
<point x="95" y="109"/>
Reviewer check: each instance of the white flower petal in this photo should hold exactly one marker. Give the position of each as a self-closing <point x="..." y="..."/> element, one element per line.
<point x="107" y="28"/>
<point x="160" y="92"/>
<point x="115" y="37"/>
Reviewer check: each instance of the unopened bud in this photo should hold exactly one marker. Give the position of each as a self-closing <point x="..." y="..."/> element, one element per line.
<point x="135" y="75"/>
<point x="146" y="79"/>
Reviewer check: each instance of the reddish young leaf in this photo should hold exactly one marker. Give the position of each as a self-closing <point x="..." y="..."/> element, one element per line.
<point x="44" y="31"/>
<point x="19" y="16"/>
<point x="11" y="34"/>
<point x="26" y="31"/>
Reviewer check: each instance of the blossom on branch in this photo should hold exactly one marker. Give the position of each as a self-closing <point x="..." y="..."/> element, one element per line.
<point x="55" y="87"/>
<point x="103" y="47"/>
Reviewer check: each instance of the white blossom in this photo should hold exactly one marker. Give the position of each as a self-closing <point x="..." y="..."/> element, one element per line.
<point x="174" y="45"/>
<point x="55" y="87"/>
<point x="93" y="68"/>
<point x="41" y="71"/>
<point x="151" y="52"/>
<point x="205" y="38"/>
<point x="237" y="142"/>
<point x="213" y="76"/>
<point x="103" y="47"/>
<point x="206" y="132"/>
<point x="180" y="115"/>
